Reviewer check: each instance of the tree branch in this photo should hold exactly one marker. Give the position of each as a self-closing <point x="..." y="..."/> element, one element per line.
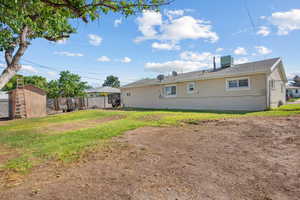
<point x="21" y="50"/>
<point x="79" y="11"/>
<point x="8" y="55"/>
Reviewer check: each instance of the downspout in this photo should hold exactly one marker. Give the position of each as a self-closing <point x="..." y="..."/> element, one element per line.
<point x="268" y="96"/>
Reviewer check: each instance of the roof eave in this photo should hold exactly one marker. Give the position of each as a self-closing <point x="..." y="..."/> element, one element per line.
<point x="196" y="79"/>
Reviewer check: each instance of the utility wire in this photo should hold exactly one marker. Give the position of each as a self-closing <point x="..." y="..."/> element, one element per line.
<point x="53" y="69"/>
<point x="257" y="40"/>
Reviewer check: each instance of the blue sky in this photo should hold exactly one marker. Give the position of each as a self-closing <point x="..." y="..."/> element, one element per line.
<point x="183" y="37"/>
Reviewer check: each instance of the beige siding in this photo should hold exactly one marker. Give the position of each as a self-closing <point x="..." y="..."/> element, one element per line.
<point x="209" y="95"/>
<point x="278" y="92"/>
<point x="35" y="104"/>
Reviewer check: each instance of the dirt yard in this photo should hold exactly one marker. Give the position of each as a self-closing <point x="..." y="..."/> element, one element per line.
<point x="246" y="158"/>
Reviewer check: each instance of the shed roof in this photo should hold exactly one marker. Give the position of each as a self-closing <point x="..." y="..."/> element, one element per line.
<point x="32" y="88"/>
<point x="103" y="90"/>
<point x="263" y="66"/>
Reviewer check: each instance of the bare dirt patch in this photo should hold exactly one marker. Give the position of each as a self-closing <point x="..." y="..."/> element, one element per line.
<point x="246" y="158"/>
<point x="70" y="126"/>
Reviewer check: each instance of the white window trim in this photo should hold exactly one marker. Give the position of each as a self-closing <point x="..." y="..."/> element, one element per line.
<point x="164" y="91"/>
<point x="188" y="88"/>
<point x="238" y="88"/>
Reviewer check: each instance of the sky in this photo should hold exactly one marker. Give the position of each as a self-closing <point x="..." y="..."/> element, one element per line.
<point x="183" y="36"/>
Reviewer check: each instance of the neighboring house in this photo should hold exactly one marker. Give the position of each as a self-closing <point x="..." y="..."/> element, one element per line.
<point x="4" y="106"/>
<point x="103" y="97"/>
<point x="250" y="86"/>
<point x="293" y="91"/>
<point x="102" y="91"/>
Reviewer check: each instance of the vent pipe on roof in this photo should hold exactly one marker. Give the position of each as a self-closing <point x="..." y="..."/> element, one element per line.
<point x="215" y="65"/>
<point x="226" y="61"/>
<point x="160" y="77"/>
<point x="174" y="73"/>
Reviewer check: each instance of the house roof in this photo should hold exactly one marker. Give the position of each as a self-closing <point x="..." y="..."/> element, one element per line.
<point x="263" y="66"/>
<point x="103" y="90"/>
<point x="293" y="87"/>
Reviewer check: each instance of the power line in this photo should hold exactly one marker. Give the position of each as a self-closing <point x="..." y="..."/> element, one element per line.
<point x="250" y="16"/>
<point x="54" y="69"/>
<point x="51" y="68"/>
<point x="257" y="40"/>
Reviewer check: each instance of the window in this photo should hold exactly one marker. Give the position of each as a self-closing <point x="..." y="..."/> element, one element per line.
<point x="296" y="91"/>
<point x="272" y="82"/>
<point x="191" y="87"/>
<point x="170" y="91"/>
<point x="128" y="94"/>
<point x="240" y="83"/>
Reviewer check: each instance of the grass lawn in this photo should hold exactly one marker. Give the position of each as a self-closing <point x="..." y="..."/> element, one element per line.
<point x="32" y="143"/>
<point x="294" y="99"/>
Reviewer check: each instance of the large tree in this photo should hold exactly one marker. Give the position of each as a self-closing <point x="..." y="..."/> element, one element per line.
<point x="22" y="21"/>
<point x="297" y="80"/>
<point x="68" y="85"/>
<point x="112" y="81"/>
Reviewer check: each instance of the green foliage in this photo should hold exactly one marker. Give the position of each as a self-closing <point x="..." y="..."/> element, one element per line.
<point x="50" y="19"/>
<point x="70" y="85"/>
<point x="112" y="81"/>
<point x="53" y="89"/>
<point x="38" y="81"/>
<point x="43" y="21"/>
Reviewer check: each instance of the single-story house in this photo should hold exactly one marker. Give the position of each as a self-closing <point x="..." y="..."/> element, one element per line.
<point x="251" y="86"/>
<point x="293" y="91"/>
<point x="4" y="105"/>
<point x="102" y="97"/>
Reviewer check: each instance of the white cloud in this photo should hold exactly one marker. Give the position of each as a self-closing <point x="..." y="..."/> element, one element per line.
<point x="240" y="51"/>
<point x="147" y="23"/>
<point x="206" y="57"/>
<point x="263" y="50"/>
<point x="103" y="59"/>
<point x="176" y="65"/>
<point x="51" y="73"/>
<point x="241" y="61"/>
<point x="94" y="40"/>
<point x="165" y="46"/>
<point x="62" y="41"/>
<point x="153" y="27"/>
<point x="219" y="49"/>
<point x="126" y="60"/>
<point x="187" y="27"/>
<point x="291" y="75"/>
<point x="286" y="21"/>
<point x="117" y="22"/>
<point x="66" y="53"/>
<point x="189" y="61"/>
<point x="263" y="31"/>
<point x="174" y="13"/>
<point x="29" y="68"/>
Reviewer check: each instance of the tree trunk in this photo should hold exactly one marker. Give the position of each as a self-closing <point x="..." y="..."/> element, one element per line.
<point x="12" y="62"/>
<point x="7" y="74"/>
